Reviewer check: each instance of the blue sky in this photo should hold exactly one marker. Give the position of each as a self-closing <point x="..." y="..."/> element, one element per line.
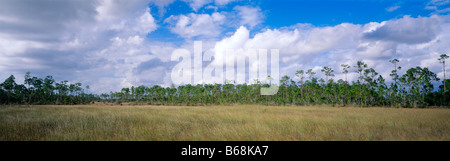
<point x="282" y="13"/>
<point x="330" y="13"/>
<point x="111" y="44"/>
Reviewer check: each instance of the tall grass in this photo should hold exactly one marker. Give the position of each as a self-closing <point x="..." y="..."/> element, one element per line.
<point x="249" y="122"/>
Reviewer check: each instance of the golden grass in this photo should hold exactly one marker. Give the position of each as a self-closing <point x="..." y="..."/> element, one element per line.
<point x="240" y="122"/>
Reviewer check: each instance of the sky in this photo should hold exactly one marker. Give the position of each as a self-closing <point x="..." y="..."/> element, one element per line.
<point x="111" y="44"/>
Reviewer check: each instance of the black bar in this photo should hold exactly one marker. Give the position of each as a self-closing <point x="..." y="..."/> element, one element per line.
<point x="172" y="150"/>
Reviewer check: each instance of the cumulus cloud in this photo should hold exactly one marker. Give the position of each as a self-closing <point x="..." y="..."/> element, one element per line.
<point x="72" y="40"/>
<point x="193" y="25"/>
<point x="377" y="50"/>
<point x="250" y="16"/>
<point x="303" y="46"/>
<point x="406" y="30"/>
<point x="296" y="41"/>
<point x="197" y="4"/>
<point x="212" y="25"/>
<point x="44" y="20"/>
<point x="223" y="2"/>
<point x="161" y="4"/>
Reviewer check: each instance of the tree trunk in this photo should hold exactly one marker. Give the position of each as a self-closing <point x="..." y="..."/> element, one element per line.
<point x="444" y="78"/>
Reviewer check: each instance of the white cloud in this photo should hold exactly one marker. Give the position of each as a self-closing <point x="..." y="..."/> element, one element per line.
<point x="145" y="23"/>
<point x="136" y="40"/>
<point x="215" y="8"/>
<point x="223" y="2"/>
<point x="161" y="4"/>
<point x="211" y="25"/>
<point x="236" y="41"/>
<point x="193" y="25"/>
<point x="439" y="6"/>
<point x="377" y="50"/>
<point x="126" y="17"/>
<point x="116" y="9"/>
<point x="412" y="40"/>
<point x="393" y="8"/>
<point x="249" y="16"/>
<point x="197" y="4"/>
<point x="407" y="30"/>
<point x="298" y="41"/>
<point x="439" y="2"/>
<point x="107" y="38"/>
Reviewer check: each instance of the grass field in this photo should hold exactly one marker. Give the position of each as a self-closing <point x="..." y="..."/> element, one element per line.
<point x="252" y="122"/>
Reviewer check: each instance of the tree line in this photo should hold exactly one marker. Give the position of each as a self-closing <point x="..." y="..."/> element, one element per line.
<point x="415" y="88"/>
<point x="43" y="91"/>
